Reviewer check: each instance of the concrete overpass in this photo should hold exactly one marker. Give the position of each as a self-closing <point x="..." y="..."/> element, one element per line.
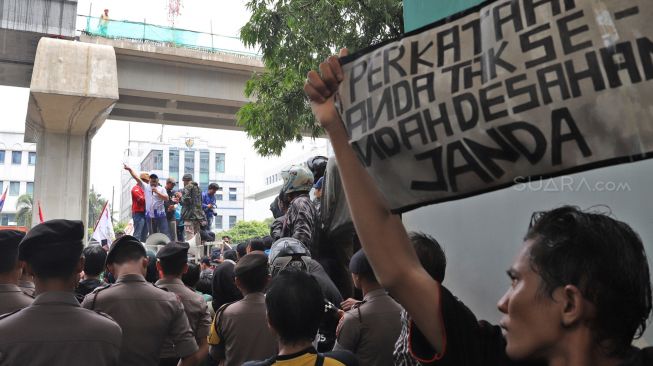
<point x="178" y="86"/>
<point x="76" y="85"/>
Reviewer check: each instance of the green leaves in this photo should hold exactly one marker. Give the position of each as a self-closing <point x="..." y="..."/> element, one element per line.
<point x="244" y="230"/>
<point x="294" y="37"/>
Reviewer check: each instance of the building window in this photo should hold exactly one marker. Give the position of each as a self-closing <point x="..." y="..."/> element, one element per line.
<point x="2" y="188"/>
<point x="6" y="219"/>
<point x="219" y="163"/>
<point x="2" y="157"/>
<point x="204" y="170"/>
<point x="232" y="194"/>
<point x="14" y="188"/>
<point x="219" y="194"/>
<point x="153" y="161"/>
<point x="16" y="157"/>
<point x="189" y="161"/>
<point x="31" y="158"/>
<point x="218" y="222"/>
<point x="232" y="221"/>
<point x="173" y="164"/>
<point x="30" y="188"/>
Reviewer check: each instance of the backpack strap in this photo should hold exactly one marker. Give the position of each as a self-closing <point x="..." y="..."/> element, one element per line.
<point x="218" y="319"/>
<point x="319" y="360"/>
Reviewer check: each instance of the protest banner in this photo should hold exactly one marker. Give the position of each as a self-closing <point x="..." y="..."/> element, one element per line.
<point x="507" y="90"/>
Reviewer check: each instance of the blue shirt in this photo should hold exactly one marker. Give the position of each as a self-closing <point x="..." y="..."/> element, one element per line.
<point x="206" y="201"/>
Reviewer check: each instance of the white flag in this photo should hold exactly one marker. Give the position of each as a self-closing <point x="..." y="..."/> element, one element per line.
<point x="104" y="227"/>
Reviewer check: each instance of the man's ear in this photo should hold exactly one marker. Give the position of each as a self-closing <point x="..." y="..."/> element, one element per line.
<point x="80" y="265"/>
<point x="573" y="306"/>
<point x="185" y="270"/>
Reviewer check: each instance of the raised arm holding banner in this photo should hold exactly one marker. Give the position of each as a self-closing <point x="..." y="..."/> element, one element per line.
<point x="505" y="92"/>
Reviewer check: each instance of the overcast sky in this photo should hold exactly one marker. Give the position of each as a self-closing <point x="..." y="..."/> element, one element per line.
<point x="109" y="144"/>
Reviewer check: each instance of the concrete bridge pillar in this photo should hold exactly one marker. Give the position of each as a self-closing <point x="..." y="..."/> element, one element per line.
<point x="73" y="89"/>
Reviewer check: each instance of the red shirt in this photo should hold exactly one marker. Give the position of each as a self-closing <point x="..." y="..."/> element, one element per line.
<point x="138" y="199"/>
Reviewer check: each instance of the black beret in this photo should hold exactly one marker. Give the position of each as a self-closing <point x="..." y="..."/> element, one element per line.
<point x="10" y="239"/>
<point x="187" y="177"/>
<point x="359" y="263"/>
<point x="173" y="249"/>
<point x="124" y="242"/>
<point x="251" y="262"/>
<point x="54" y="239"/>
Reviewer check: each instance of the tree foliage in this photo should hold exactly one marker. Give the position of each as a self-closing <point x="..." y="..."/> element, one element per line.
<point x="95" y="206"/>
<point x="24" y="206"/>
<point x="294" y="37"/>
<point x="244" y="230"/>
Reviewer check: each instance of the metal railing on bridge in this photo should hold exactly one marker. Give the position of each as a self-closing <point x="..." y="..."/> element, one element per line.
<point x="165" y="36"/>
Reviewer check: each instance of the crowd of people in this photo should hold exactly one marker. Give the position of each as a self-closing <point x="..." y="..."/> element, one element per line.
<point x="309" y="294"/>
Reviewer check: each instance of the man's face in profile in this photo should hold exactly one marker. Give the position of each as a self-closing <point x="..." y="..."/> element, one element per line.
<point x="532" y="318"/>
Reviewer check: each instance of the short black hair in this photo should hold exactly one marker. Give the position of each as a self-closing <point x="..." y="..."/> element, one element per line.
<point x="605" y="259"/>
<point x="241" y="248"/>
<point x="153" y="176"/>
<point x="430" y="254"/>
<point x="173" y="265"/>
<point x="214" y="186"/>
<point x="9" y="250"/>
<point x="192" y="276"/>
<point x="295" y="306"/>
<point x="230" y="254"/>
<point x="94" y="258"/>
<point x="127" y="254"/>
<point x="255" y="277"/>
<point x="267" y="242"/>
<point x="256" y="244"/>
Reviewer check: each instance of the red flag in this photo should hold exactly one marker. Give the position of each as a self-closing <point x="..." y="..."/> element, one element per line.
<point x="40" y="213"/>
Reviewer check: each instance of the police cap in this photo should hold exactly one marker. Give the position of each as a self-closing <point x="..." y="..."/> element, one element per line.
<point x="122" y="244"/>
<point x="173" y="249"/>
<point x="53" y="240"/>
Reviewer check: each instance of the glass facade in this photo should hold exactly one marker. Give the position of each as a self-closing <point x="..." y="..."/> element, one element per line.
<point x="189" y="162"/>
<point x="14" y="188"/>
<point x="219" y="162"/>
<point x="173" y="164"/>
<point x="232" y="194"/>
<point x="30" y="188"/>
<point x="218" y="195"/>
<point x="218" y="222"/>
<point x="204" y="170"/>
<point x="153" y="161"/>
<point x="5" y="219"/>
<point x="31" y="158"/>
<point x="2" y="157"/>
<point x="16" y="157"/>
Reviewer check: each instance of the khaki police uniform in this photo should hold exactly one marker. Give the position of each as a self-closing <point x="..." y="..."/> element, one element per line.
<point x="147" y="315"/>
<point x="240" y="332"/>
<point x="55" y="330"/>
<point x="371" y="329"/>
<point x="196" y="310"/>
<point x="12" y="298"/>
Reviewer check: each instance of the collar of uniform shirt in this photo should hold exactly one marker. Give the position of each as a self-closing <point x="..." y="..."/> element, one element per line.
<point x="56" y="297"/>
<point x="170" y="281"/>
<point x="131" y="278"/>
<point x="374" y="293"/>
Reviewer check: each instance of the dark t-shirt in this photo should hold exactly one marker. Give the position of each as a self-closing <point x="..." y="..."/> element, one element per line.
<point x="309" y="357"/>
<point x="468" y="342"/>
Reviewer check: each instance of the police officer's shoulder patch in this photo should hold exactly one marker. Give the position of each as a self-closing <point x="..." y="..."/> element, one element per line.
<point x="96" y="291"/>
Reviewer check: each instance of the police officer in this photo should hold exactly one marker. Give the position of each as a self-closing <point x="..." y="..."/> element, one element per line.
<point x="55" y="327"/>
<point x="372" y="326"/>
<point x="147" y="314"/>
<point x="240" y="330"/>
<point x="173" y="263"/>
<point x="12" y="297"/>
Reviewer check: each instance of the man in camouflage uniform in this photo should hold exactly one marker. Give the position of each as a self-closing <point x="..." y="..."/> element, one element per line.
<point x="191" y="210"/>
<point x="300" y="218"/>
